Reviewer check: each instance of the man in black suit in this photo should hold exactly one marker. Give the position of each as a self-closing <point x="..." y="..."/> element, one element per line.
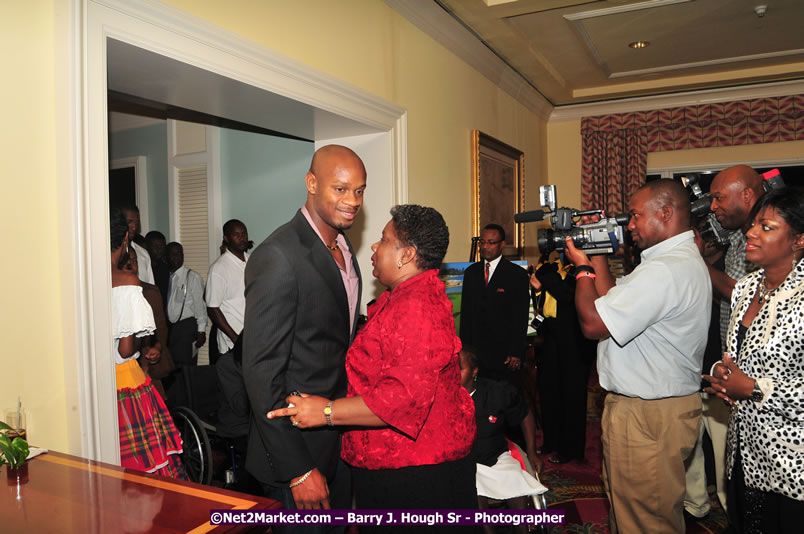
<point x="494" y="309"/>
<point x="302" y="298"/>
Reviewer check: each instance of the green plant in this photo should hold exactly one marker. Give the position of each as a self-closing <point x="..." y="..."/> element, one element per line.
<point x="14" y="451"/>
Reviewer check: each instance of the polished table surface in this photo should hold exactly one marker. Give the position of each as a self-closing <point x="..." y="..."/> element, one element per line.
<point x="63" y="493"/>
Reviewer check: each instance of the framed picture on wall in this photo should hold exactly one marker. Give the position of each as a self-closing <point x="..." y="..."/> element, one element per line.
<point x="498" y="190"/>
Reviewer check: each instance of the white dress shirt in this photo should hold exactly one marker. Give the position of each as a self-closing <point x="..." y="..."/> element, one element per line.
<point x="658" y="317"/>
<point x="226" y="289"/>
<point x="493" y="265"/>
<point x="186" y="298"/>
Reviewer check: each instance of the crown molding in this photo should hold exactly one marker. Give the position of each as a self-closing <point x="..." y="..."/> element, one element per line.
<point x="289" y="78"/>
<point x="433" y="20"/>
<point x="614" y="10"/>
<point x="709" y="96"/>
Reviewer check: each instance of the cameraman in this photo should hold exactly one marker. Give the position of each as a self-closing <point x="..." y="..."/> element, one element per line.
<point x="734" y="192"/>
<point x="653" y="329"/>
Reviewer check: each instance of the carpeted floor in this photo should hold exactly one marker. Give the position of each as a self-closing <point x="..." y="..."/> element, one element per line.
<point x="576" y="486"/>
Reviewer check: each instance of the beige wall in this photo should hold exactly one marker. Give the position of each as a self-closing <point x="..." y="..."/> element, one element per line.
<point x="33" y="360"/>
<point x="564" y="161"/>
<point x="367" y="44"/>
<point x="362" y="42"/>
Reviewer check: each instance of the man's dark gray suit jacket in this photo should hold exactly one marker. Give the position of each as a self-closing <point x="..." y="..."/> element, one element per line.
<point x="296" y="335"/>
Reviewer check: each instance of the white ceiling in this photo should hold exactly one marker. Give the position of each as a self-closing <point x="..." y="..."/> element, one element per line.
<point x="576" y="51"/>
<point x="151" y="76"/>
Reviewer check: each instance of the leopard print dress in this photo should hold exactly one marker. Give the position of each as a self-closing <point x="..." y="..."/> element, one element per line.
<point x="770" y="433"/>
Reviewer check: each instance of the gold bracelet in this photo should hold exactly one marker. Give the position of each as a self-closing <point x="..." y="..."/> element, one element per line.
<point x="304" y="477"/>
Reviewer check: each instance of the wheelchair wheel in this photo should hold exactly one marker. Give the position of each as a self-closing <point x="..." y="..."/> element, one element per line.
<point x="197" y="450"/>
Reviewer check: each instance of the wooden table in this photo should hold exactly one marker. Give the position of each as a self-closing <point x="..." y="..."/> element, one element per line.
<point x="63" y="493"/>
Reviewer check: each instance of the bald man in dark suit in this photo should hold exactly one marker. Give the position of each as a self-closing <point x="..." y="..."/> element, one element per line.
<point x="302" y="297"/>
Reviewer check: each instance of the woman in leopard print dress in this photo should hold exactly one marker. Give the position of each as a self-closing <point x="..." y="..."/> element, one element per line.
<point x="762" y="373"/>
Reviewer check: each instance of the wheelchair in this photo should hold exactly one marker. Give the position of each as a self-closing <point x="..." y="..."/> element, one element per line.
<point x="211" y="455"/>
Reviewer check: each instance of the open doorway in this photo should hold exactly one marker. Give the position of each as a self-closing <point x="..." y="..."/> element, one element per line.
<point x="151" y="51"/>
<point x="128" y="185"/>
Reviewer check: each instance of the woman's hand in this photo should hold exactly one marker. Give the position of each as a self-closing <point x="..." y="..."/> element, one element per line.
<point x="153" y="354"/>
<point x="304" y="411"/>
<point x="729" y="382"/>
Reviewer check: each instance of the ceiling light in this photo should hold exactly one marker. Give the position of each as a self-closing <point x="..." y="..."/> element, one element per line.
<point x="639" y="44"/>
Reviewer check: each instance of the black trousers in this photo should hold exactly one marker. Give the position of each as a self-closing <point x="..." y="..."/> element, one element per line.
<point x="753" y="511"/>
<point x="563" y="380"/>
<point x="440" y="486"/>
<point x="181" y="340"/>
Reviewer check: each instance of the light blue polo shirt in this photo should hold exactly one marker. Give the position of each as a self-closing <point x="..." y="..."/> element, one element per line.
<point x="658" y="317"/>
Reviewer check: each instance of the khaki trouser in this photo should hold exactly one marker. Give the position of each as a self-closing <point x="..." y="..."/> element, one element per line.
<point x="645" y="444"/>
<point x="715" y="419"/>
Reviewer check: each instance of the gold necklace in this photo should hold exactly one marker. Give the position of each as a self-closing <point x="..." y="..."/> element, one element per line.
<point x="334" y="246"/>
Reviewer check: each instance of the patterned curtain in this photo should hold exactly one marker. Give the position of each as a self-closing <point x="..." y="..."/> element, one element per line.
<point x="615" y="147"/>
<point x="613" y="167"/>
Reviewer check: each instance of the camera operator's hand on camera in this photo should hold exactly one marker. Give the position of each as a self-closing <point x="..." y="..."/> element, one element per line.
<point x="575" y="256"/>
<point x="588" y="219"/>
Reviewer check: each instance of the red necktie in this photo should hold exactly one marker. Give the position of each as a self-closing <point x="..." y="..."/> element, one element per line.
<point x="487" y="274"/>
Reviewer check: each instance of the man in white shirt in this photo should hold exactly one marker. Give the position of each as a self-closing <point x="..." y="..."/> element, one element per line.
<point x="132" y="215"/>
<point x="186" y="311"/>
<point x="225" y="292"/>
<point x="653" y="328"/>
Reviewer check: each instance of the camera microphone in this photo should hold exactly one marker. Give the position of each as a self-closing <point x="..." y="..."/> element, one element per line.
<point x="529" y="216"/>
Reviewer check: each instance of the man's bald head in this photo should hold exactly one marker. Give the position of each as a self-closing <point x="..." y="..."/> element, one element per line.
<point x="734" y="192"/>
<point x="335" y="185"/>
<point x="670" y="193"/>
<point x="329" y="155"/>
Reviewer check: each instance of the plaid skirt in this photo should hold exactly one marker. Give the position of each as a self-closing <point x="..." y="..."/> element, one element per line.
<point x="149" y="441"/>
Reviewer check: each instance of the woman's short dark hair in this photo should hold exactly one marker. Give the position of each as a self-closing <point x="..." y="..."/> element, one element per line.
<point x="118" y="227"/>
<point x="471" y="356"/>
<point x="423" y="228"/>
<point x="788" y="202"/>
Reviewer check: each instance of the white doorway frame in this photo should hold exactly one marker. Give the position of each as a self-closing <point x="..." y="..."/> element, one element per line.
<point x="140" y="185"/>
<point x="167" y="31"/>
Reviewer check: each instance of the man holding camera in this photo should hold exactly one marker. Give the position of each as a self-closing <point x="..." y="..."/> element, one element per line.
<point x="734" y="192"/>
<point x="652" y="326"/>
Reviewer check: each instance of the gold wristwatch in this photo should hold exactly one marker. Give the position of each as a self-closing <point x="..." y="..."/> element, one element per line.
<point x="328" y="412"/>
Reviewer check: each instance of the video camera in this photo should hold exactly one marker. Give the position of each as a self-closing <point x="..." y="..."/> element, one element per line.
<point x="710" y="228"/>
<point x="602" y="237"/>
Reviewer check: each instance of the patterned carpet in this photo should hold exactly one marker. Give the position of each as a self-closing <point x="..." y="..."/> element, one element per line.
<point x="576" y="488"/>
